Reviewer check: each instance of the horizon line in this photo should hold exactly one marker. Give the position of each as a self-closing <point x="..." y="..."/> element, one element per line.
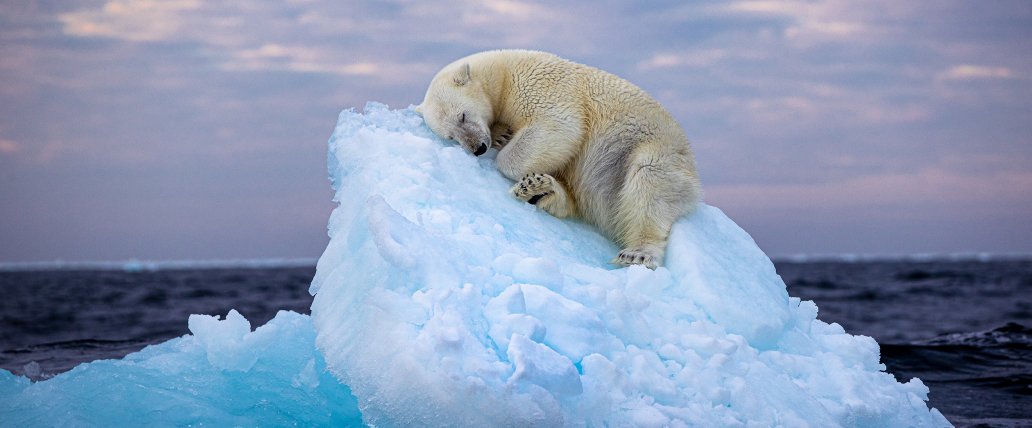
<point x="139" y="265"/>
<point x="964" y="256"/>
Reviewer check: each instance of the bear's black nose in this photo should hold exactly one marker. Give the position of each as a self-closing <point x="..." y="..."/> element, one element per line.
<point x="480" y="150"/>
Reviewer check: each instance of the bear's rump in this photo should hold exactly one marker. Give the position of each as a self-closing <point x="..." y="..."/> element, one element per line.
<point x="599" y="176"/>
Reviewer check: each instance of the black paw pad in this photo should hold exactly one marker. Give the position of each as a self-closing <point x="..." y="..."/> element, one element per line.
<point x="534" y="199"/>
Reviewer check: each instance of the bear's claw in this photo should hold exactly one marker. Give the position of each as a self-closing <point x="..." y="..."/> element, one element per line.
<point x="533" y="187"/>
<point x="637" y="256"/>
<point x="500" y="135"/>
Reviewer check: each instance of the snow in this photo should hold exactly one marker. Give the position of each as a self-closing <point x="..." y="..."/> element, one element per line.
<point x="442" y="301"/>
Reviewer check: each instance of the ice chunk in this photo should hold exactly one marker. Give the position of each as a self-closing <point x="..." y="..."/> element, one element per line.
<point x="230" y="343"/>
<point x="572" y="329"/>
<point x="540" y="271"/>
<point x="180" y="383"/>
<point x="718" y="266"/>
<point x="34" y="372"/>
<point x="507" y="315"/>
<point x="540" y="365"/>
<point x="442" y="301"/>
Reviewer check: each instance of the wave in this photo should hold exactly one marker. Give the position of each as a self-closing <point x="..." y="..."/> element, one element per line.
<point x="976" y="378"/>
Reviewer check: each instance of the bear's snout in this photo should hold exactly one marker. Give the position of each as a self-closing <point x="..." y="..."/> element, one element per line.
<point x="477" y="139"/>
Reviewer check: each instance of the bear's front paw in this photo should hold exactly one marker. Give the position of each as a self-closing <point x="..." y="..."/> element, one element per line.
<point x="533" y="187"/>
<point x="646" y="256"/>
<point x="501" y="134"/>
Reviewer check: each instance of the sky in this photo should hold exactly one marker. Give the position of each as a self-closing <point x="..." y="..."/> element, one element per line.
<point x="190" y="129"/>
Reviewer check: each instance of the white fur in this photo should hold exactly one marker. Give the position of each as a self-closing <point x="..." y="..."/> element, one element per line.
<point x="580" y="141"/>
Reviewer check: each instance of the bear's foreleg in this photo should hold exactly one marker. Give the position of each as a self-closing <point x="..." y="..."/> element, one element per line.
<point x="545" y="147"/>
<point x="546" y="193"/>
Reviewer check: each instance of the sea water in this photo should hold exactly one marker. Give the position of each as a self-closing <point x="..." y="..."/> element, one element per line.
<point x="442" y="301"/>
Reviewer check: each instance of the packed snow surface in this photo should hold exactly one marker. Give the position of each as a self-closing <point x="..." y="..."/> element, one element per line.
<point x="442" y="301"/>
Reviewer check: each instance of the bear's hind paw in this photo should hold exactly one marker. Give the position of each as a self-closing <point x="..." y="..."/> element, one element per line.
<point x="646" y="256"/>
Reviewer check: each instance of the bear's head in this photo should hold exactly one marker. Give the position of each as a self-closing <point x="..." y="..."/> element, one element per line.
<point x="456" y="107"/>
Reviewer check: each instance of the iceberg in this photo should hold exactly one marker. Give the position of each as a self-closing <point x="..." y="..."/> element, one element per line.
<point x="442" y="301"/>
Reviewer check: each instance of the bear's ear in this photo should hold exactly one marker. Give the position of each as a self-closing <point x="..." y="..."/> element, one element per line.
<point x="462" y="77"/>
<point x="419" y="109"/>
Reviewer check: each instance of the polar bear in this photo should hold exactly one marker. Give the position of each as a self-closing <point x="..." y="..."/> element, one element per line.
<point x="578" y="142"/>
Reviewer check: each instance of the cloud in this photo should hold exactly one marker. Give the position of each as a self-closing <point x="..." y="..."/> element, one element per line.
<point x="347" y="38"/>
<point x="850" y="108"/>
<point x="812" y="22"/>
<point x="976" y="72"/>
<point x="327" y="60"/>
<point x="825" y="30"/>
<point x="495" y="11"/>
<point x="246" y="23"/>
<point x="921" y="194"/>
<point x="796" y="108"/>
<point x="698" y="58"/>
<point x="304" y="59"/>
<point x="8" y="146"/>
<point x="136" y="20"/>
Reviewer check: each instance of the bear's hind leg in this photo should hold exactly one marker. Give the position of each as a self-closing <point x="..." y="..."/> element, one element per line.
<point x="644" y="232"/>
<point x="658" y="189"/>
<point x="546" y="192"/>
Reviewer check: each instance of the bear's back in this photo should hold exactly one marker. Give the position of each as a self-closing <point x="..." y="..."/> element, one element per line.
<point x="543" y="81"/>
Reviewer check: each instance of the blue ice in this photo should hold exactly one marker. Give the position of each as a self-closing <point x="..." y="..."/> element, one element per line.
<point x="442" y="301"/>
<point x="223" y="375"/>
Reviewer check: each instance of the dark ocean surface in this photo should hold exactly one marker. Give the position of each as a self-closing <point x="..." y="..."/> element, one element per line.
<point x="960" y="326"/>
